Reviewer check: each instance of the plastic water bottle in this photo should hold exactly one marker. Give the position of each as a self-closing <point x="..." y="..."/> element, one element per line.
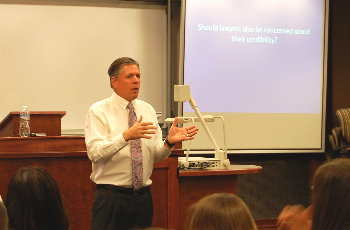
<point x="24" y="119"/>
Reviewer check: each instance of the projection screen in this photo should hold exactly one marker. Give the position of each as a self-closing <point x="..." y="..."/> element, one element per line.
<point x="261" y="65"/>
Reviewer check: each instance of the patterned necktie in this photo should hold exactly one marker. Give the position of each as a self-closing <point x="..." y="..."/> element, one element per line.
<point x="136" y="153"/>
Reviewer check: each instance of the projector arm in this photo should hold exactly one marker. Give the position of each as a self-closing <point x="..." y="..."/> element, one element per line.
<point x="219" y="154"/>
<point x="201" y="119"/>
<point x="182" y="94"/>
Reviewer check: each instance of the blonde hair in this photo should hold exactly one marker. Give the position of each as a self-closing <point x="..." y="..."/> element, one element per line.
<point x="220" y="211"/>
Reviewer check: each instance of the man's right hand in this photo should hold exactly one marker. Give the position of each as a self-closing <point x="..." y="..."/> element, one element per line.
<point x="139" y="130"/>
<point x="295" y="217"/>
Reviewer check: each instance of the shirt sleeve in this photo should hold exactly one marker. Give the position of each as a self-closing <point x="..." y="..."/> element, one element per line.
<point x="160" y="151"/>
<point x="99" y="146"/>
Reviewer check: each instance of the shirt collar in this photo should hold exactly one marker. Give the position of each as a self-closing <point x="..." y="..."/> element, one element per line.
<point x="120" y="101"/>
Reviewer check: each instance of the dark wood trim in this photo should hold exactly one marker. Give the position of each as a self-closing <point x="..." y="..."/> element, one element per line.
<point x="266" y="224"/>
<point x="42" y="144"/>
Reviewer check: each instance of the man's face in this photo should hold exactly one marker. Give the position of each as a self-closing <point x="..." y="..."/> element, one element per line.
<point x="127" y="83"/>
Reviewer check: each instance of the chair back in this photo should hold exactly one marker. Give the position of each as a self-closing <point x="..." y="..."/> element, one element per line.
<point x="340" y="136"/>
<point x="343" y="116"/>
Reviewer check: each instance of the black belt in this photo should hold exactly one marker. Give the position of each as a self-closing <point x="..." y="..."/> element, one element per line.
<point x="124" y="190"/>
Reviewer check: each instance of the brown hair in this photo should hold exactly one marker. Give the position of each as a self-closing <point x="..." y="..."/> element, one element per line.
<point x="331" y="196"/>
<point x="33" y="201"/>
<point x="220" y="211"/>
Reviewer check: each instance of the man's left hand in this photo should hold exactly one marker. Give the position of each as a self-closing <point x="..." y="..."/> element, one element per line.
<point x="177" y="134"/>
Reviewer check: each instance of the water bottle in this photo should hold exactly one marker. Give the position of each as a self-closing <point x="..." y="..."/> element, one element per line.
<point x="24" y="119"/>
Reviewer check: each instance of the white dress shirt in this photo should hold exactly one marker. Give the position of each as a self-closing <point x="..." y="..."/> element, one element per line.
<point x="106" y="120"/>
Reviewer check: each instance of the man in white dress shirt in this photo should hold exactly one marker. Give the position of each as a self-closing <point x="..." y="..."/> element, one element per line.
<point x="117" y="204"/>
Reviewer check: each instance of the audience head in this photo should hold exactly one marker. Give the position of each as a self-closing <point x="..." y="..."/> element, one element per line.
<point x="220" y="211"/>
<point x="331" y="195"/>
<point x="3" y="216"/>
<point x="33" y="201"/>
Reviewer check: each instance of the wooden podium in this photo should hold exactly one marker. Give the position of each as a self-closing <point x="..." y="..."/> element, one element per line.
<point x="198" y="183"/>
<point x="48" y="122"/>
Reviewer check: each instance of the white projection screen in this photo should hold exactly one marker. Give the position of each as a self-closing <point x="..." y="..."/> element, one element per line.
<point x="261" y="64"/>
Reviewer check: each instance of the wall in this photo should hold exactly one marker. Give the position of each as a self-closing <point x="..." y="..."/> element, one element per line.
<point x="339" y="59"/>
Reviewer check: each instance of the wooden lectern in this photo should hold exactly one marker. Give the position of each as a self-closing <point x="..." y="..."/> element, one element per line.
<point x="48" y="122"/>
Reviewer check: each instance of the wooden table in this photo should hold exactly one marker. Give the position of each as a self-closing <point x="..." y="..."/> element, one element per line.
<point x="195" y="184"/>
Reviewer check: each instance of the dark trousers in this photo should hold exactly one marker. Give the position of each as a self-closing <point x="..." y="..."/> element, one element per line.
<point x="117" y="208"/>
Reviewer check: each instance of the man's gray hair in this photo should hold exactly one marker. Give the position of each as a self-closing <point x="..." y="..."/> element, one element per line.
<point x="116" y="66"/>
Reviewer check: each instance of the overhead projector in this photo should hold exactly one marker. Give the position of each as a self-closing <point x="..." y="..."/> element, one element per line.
<point x="220" y="161"/>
